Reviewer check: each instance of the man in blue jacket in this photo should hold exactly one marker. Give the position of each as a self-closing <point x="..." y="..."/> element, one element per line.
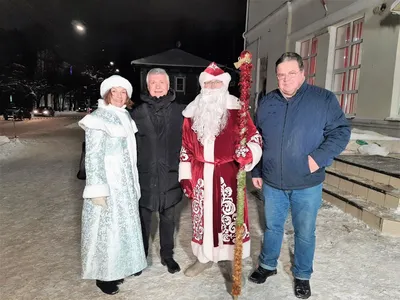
<point x="303" y="129"/>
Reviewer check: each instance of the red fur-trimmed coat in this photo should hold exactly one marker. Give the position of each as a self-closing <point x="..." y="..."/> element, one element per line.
<point x="208" y="176"/>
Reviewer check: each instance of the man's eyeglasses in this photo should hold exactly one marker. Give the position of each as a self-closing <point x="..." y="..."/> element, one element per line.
<point x="290" y="75"/>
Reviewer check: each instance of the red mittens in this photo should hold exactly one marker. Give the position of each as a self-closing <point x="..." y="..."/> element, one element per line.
<point x="187" y="188"/>
<point x="243" y="155"/>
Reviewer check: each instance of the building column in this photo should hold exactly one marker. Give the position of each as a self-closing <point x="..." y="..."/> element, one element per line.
<point x="395" y="105"/>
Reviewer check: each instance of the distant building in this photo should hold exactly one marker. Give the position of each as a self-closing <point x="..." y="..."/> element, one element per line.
<point x="183" y="69"/>
<point x="50" y="66"/>
<point x="351" y="47"/>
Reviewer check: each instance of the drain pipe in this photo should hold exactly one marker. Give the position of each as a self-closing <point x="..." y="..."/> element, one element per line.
<point x="246" y="26"/>
<point x="289" y="24"/>
<point x="258" y="67"/>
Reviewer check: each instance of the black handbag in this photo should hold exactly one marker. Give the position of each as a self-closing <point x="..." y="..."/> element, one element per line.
<point x="82" y="171"/>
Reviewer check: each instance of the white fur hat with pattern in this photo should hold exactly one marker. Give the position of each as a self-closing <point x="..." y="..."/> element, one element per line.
<point x="213" y="72"/>
<point x="115" y="81"/>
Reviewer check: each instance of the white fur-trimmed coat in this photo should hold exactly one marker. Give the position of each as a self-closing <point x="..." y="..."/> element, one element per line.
<point x="112" y="245"/>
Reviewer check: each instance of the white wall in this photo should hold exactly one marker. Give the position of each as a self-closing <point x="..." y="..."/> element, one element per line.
<point x="273" y="44"/>
<point x="268" y="42"/>
<point x="377" y="68"/>
<point x="253" y="50"/>
<point x="307" y="12"/>
<point x="259" y="9"/>
<point x="322" y="59"/>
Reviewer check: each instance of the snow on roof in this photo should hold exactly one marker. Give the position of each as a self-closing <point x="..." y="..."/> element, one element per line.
<point x="174" y="58"/>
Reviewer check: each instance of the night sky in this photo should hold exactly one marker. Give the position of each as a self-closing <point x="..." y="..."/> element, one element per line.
<point x="123" y="30"/>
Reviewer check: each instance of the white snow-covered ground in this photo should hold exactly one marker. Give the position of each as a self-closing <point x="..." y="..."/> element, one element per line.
<point x="11" y="148"/>
<point x="3" y="140"/>
<point x="40" y="207"/>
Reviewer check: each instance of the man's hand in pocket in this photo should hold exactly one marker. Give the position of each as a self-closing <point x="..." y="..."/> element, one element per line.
<point x="312" y="165"/>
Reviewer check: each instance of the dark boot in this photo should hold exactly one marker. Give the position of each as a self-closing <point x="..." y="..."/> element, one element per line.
<point x="172" y="265"/>
<point x="261" y="274"/>
<point x="108" y="287"/>
<point x="302" y="288"/>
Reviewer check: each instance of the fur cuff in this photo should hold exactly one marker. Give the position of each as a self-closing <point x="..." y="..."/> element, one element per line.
<point x="95" y="191"/>
<point x="185" y="170"/>
<point x="256" y="152"/>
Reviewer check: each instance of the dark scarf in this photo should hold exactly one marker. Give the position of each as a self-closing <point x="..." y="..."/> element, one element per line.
<point x="158" y="103"/>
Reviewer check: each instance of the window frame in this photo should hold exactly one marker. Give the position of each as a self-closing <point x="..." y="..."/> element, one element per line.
<point x="183" y="90"/>
<point x="347" y="96"/>
<point x="309" y="56"/>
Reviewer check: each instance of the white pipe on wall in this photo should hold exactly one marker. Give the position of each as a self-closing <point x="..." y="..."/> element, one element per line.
<point x="289" y="24"/>
<point x="258" y="67"/>
<point x="246" y="25"/>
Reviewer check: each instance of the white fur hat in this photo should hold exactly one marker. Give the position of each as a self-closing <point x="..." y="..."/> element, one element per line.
<point x="213" y="72"/>
<point x="115" y="81"/>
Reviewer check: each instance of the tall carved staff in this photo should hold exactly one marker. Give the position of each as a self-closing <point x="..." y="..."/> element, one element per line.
<point x="245" y="66"/>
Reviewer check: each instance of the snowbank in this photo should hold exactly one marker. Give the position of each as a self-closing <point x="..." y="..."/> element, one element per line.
<point x="11" y="148"/>
<point x="374" y="140"/>
<point x="69" y="113"/>
<point x="358" y="134"/>
<point x="4" y="140"/>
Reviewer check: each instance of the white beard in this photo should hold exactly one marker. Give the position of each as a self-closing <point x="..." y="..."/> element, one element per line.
<point x="211" y="114"/>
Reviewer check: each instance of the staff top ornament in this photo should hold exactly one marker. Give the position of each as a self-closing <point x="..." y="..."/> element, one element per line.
<point x="245" y="57"/>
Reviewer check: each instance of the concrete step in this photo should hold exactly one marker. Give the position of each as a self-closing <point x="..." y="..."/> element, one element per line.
<point x="384" y="195"/>
<point x="381" y="218"/>
<point x="385" y="170"/>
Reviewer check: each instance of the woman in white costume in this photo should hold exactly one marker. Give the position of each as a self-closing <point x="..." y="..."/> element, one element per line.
<point x="112" y="245"/>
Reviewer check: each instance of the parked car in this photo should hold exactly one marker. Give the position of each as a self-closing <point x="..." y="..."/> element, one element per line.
<point x="18" y="113"/>
<point x="82" y="109"/>
<point x="93" y="108"/>
<point x="44" y="111"/>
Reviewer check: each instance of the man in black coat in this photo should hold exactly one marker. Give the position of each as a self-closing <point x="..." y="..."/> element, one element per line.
<point x="159" y="120"/>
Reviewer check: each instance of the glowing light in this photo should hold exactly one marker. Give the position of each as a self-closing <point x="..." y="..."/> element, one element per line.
<point x="79" y="27"/>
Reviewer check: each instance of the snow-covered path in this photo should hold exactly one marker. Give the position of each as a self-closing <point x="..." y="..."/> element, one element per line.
<point x="40" y="207"/>
<point x="32" y="127"/>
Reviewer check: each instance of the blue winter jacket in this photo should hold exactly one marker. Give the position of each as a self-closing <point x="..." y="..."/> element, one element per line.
<point x="310" y="123"/>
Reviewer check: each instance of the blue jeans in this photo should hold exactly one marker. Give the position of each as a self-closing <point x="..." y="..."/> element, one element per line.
<point x="304" y="205"/>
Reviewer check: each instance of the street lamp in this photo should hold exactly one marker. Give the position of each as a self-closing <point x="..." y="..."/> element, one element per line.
<point x="111" y="63"/>
<point x="116" y="70"/>
<point x="79" y="27"/>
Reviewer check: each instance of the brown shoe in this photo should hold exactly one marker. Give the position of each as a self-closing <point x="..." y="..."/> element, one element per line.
<point x="197" y="268"/>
